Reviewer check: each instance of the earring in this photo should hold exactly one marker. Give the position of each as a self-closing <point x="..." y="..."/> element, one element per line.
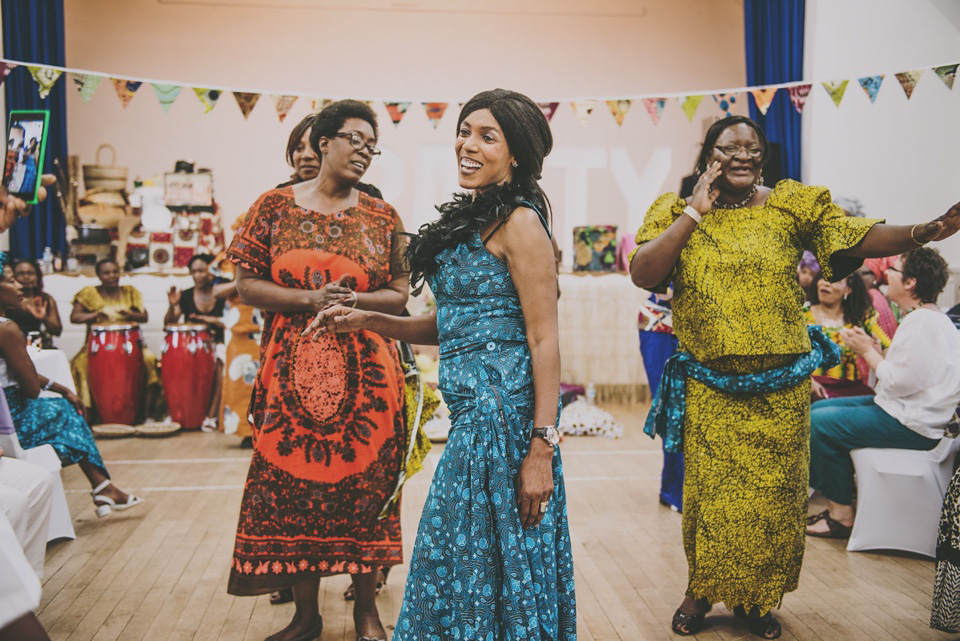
<point x="514" y="164"/>
<point x="759" y="182"/>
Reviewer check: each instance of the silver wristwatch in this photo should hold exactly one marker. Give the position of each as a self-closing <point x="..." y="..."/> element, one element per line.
<point x="549" y="433"/>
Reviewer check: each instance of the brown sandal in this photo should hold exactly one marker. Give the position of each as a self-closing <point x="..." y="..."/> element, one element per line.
<point x="837" y="529"/>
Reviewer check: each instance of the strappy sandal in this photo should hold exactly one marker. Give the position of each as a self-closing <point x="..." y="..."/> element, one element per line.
<point x="105" y="504"/>
<point x="765" y="627"/>
<point x="350" y="595"/>
<point x="692" y="623"/>
<point x="837" y="529"/>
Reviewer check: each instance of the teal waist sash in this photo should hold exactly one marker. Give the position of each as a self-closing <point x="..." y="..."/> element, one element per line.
<point x="670" y="404"/>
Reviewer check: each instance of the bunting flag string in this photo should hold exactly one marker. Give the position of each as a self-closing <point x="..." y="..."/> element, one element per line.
<point x="435" y="111"/>
<point x="208" y="98"/>
<point x="548" y="109"/>
<point x="798" y="96"/>
<point x="45" y="77"/>
<point x="908" y="80"/>
<point x="582" y="109"/>
<point x="166" y="94"/>
<point x="947" y="73"/>
<point x="619" y="109"/>
<point x="246" y="101"/>
<point x="836" y="90"/>
<point x="871" y="85"/>
<point x="762" y="98"/>
<point x="655" y="108"/>
<point x="396" y="110"/>
<point x="689" y="106"/>
<point x="283" y="104"/>
<point x="87" y="84"/>
<point x="125" y="90"/>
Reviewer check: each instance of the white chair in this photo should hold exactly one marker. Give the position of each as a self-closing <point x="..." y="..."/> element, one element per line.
<point x="899" y="497"/>
<point x="61" y="525"/>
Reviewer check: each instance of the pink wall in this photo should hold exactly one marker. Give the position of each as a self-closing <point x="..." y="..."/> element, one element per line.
<point x="599" y="172"/>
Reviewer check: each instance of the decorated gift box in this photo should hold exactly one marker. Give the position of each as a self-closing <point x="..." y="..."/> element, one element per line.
<point x="595" y="248"/>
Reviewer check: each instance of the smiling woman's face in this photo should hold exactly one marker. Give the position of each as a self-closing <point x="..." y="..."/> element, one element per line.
<point x="740" y="154"/>
<point x="483" y="156"/>
<point x="10" y="290"/>
<point x="341" y="158"/>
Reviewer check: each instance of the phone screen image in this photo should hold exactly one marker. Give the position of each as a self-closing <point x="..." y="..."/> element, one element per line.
<point x="26" y="144"/>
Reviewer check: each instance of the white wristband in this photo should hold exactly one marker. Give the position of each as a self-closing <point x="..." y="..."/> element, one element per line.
<point x="693" y="213"/>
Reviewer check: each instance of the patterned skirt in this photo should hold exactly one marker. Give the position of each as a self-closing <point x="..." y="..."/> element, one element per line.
<point x="747" y="460"/>
<point x="945" y="613"/>
<point x="53" y="421"/>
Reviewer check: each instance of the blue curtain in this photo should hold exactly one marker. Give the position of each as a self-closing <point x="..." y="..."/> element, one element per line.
<point x="33" y="32"/>
<point x="774" y="46"/>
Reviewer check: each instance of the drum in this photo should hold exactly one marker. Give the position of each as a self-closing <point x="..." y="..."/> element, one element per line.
<point x="188" y="372"/>
<point x="115" y="356"/>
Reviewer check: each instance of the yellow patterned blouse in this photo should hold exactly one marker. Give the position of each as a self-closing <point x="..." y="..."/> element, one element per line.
<point x="735" y="284"/>
<point x="848" y="363"/>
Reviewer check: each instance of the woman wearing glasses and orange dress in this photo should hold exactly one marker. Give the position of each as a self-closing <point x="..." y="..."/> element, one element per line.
<point x="328" y="431"/>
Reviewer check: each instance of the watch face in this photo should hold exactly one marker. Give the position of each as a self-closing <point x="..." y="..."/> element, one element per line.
<point x="553" y="436"/>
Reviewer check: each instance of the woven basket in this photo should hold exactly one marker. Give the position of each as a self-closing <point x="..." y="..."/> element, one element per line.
<point x="100" y="176"/>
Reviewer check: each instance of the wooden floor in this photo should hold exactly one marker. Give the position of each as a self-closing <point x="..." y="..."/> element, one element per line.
<point x="160" y="571"/>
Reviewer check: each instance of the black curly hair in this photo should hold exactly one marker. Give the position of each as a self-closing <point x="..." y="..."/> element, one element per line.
<point x="717" y="128"/>
<point x="855" y="306"/>
<point x="328" y="122"/>
<point x="529" y="140"/>
<point x="929" y="269"/>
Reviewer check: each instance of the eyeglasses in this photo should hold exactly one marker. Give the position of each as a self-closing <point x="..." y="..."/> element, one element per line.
<point x="357" y="142"/>
<point x="733" y="150"/>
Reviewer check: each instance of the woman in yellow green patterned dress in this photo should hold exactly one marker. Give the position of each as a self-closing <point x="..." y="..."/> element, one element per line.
<point x="836" y="306"/>
<point x="731" y="251"/>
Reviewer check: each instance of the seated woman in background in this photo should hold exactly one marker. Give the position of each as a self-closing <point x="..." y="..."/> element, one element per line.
<point x="38" y="312"/>
<point x="203" y="303"/>
<point x="111" y="302"/>
<point x="836" y="306"/>
<point x="58" y="422"/>
<point x="918" y="389"/>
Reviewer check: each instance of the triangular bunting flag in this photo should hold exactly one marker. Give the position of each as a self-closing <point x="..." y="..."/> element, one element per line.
<point x="725" y="101"/>
<point x="166" y="94"/>
<point x="435" y="111"/>
<point x="45" y="77"/>
<point x="798" y="96"/>
<point x="871" y="85"/>
<point x="947" y="73"/>
<point x="246" y="101"/>
<point x="762" y="97"/>
<point x="318" y="104"/>
<point x="908" y="80"/>
<point x="87" y="84"/>
<point x="689" y="106"/>
<point x="397" y="111"/>
<point x="207" y="97"/>
<point x="619" y="109"/>
<point x="5" y="69"/>
<point x="582" y="109"/>
<point x="655" y="108"/>
<point x="836" y="90"/>
<point x="283" y="104"/>
<point x="125" y="90"/>
<point x="548" y="109"/>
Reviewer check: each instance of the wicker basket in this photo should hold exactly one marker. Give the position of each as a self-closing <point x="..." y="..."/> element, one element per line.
<point x="100" y="176"/>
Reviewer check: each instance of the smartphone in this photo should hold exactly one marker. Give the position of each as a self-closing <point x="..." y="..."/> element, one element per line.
<point x="26" y="144"/>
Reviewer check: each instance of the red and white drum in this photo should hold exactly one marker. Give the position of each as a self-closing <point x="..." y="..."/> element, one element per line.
<point x="188" y="372"/>
<point x="115" y="356"/>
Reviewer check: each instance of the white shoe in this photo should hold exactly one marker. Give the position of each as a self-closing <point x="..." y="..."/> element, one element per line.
<point x="107" y="504"/>
<point x="209" y="424"/>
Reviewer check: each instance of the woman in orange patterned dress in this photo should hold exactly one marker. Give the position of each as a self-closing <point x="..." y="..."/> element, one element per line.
<point x="328" y="428"/>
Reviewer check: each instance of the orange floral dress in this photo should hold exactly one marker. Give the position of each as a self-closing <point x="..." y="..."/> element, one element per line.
<point x="328" y="430"/>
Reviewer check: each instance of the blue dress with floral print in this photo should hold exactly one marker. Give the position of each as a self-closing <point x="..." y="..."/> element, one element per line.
<point x="475" y="572"/>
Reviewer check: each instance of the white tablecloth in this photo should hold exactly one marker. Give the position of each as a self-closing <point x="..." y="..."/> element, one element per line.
<point x="598" y="335"/>
<point x="54" y="364"/>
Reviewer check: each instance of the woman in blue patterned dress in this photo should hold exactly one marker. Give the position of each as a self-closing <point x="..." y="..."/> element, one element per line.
<point x="493" y="558"/>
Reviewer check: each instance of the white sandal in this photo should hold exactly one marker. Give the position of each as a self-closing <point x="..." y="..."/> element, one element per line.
<point x="108" y="504"/>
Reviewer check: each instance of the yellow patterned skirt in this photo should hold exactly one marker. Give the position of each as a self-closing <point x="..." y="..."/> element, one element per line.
<point x="746" y="463"/>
